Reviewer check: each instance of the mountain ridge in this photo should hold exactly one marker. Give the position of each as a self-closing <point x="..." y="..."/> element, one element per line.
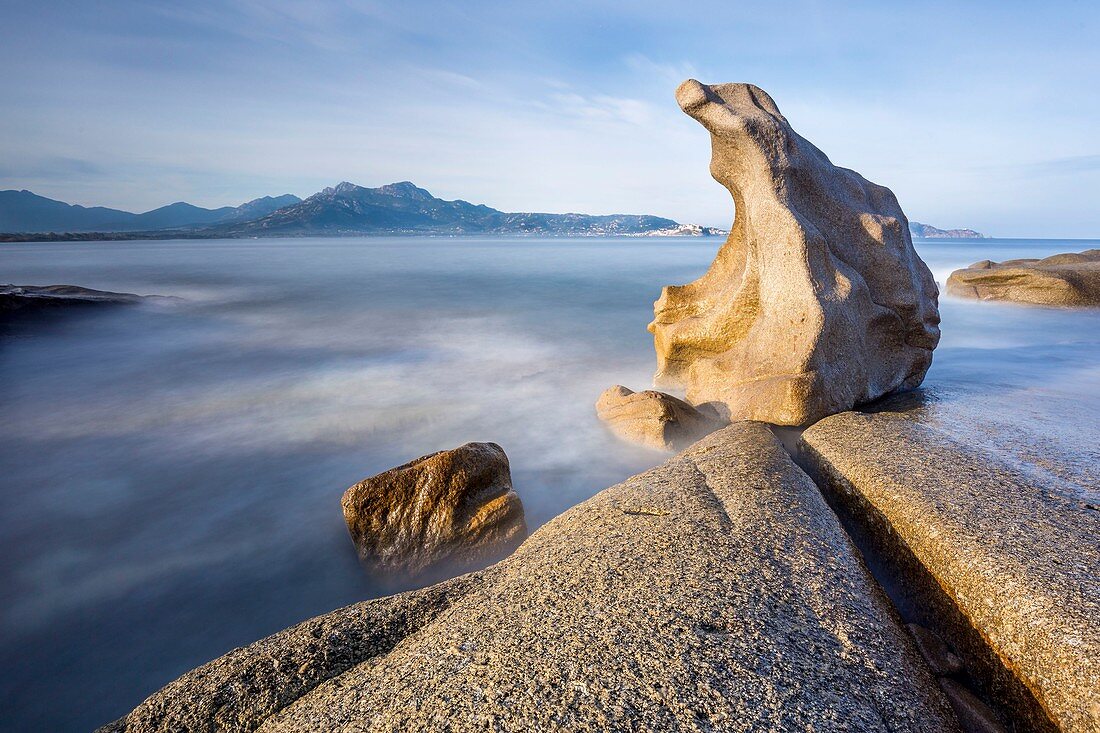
<point x="401" y="207"/>
<point x="348" y="209"/>
<point x="24" y="211"/>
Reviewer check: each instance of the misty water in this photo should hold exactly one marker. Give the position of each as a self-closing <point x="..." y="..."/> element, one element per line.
<point x="170" y="474"/>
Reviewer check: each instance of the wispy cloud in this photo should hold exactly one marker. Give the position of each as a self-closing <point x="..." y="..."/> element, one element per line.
<point x="1065" y="166"/>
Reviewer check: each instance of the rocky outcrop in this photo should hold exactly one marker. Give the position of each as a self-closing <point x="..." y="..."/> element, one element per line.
<point x="714" y="592"/>
<point x="1001" y="546"/>
<point x="654" y="419"/>
<point x="1071" y="279"/>
<point x="33" y="298"/>
<point x="443" y="513"/>
<point x="927" y="231"/>
<point x="817" y="301"/>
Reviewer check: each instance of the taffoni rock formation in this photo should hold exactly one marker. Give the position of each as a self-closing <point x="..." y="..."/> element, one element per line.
<point x="817" y="301"/>
<point x="1000" y="548"/>
<point x="654" y="419"/>
<point x="714" y="592"/>
<point x="448" y="511"/>
<point x="1071" y="279"/>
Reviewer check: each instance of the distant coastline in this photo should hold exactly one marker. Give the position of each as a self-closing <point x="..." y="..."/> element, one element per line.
<point x="342" y="210"/>
<point x="927" y="231"/>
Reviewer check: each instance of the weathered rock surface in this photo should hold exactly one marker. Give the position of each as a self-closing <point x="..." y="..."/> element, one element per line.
<point x="1003" y="543"/>
<point x="714" y="592"/>
<point x="445" y="512"/>
<point x="40" y="297"/>
<point x="1070" y="279"/>
<point x="654" y="419"/>
<point x="817" y="301"/>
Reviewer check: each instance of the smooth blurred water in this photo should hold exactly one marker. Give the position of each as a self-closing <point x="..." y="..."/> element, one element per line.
<point x="170" y="474"/>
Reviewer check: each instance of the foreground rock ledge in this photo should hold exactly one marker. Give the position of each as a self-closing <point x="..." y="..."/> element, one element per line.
<point x="714" y="592"/>
<point x="817" y="302"/>
<point x="1014" y="549"/>
<point x="1071" y="279"/>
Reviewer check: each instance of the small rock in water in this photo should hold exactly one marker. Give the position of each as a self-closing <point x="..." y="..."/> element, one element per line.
<point x="450" y="511"/>
<point x="654" y="419"/>
<point x="935" y="651"/>
<point x="1070" y="279"/>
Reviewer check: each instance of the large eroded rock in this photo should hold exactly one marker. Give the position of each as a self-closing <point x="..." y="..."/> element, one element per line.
<point x="1001" y="542"/>
<point x="1070" y="279"/>
<point x="654" y="419"/>
<point x="817" y="301"/>
<point x="442" y="513"/>
<point x="714" y="592"/>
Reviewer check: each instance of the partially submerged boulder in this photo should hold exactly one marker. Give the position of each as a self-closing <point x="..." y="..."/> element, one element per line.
<point x="442" y="513"/>
<point x="654" y="419"/>
<point x="30" y="298"/>
<point x="817" y="301"/>
<point x="714" y="592"/>
<point x="1070" y="279"/>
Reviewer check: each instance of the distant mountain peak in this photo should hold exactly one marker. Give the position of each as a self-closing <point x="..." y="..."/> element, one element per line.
<point x="406" y="189"/>
<point x="344" y="187"/>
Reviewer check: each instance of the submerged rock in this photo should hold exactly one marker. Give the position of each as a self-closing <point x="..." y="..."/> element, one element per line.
<point x="1071" y="279"/>
<point x="654" y="419"/>
<point x="817" y="301"/>
<point x="1001" y="547"/>
<point x="25" y="298"/>
<point x="446" y="512"/>
<point x="714" y="592"/>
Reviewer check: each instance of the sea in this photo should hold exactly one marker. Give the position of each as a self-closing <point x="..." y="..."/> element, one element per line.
<point x="171" y="473"/>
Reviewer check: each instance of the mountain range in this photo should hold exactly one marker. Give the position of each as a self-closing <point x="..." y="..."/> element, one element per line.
<point x="23" y="211"/>
<point x="344" y="209"/>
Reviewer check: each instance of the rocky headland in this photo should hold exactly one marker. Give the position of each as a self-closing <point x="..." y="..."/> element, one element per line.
<point x="865" y="570"/>
<point x="1071" y="279"/>
<point x="927" y="231"/>
<point x="26" y="300"/>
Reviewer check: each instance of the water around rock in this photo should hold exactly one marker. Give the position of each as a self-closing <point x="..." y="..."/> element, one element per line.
<point x="817" y="301"/>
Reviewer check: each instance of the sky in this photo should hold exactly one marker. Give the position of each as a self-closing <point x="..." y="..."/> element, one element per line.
<point x="979" y="114"/>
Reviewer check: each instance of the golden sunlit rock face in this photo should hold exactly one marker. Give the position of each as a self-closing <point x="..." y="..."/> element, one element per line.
<point x="448" y="511"/>
<point x="816" y="302"/>
<point x="654" y="419"/>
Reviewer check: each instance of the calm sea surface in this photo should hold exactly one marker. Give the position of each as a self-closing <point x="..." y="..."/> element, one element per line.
<point x="170" y="474"/>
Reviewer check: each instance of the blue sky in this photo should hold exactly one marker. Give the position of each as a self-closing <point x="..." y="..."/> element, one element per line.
<point x="980" y="114"/>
